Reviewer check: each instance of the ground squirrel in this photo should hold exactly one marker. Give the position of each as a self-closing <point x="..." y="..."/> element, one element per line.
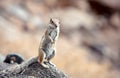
<point x="13" y="58"/>
<point x="47" y="45"/>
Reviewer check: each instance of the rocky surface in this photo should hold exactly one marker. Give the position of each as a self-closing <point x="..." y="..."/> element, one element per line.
<point x="34" y="70"/>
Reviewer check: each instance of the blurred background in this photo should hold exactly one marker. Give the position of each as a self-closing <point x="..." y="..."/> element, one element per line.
<point x="89" y="42"/>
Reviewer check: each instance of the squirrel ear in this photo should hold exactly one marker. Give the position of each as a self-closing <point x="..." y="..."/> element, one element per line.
<point x="51" y="20"/>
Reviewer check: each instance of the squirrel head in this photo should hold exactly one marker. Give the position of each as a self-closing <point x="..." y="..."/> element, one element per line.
<point x="54" y="22"/>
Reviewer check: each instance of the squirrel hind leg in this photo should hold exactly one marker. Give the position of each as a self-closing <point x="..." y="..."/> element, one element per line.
<point x="50" y="57"/>
<point x="41" y="59"/>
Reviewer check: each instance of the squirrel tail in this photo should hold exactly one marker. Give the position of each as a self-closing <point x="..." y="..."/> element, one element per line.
<point x="41" y="56"/>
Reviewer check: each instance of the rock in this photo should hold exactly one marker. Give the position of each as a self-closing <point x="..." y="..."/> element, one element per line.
<point x="34" y="70"/>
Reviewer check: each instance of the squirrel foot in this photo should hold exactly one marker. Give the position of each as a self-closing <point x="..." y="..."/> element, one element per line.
<point x="44" y="65"/>
<point x="51" y="64"/>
